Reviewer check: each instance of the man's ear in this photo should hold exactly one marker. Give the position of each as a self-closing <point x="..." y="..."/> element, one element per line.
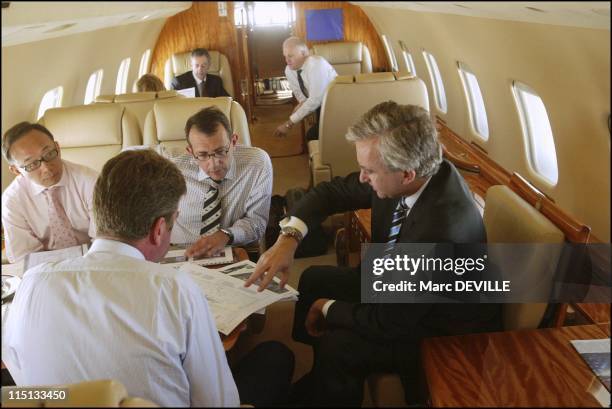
<point x="157" y="231"/>
<point x="188" y="149"/>
<point x="234" y="140"/>
<point x="408" y="177"/>
<point x="14" y="170"/>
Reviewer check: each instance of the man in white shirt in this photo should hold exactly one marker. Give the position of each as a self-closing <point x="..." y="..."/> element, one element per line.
<point x="116" y="314"/>
<point x="48" y="206"/>
<point x="308" y="76"/>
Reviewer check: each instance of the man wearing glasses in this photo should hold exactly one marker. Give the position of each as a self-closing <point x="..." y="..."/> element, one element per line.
<point x="48" y="206"/>
<point x="229" y="187"/>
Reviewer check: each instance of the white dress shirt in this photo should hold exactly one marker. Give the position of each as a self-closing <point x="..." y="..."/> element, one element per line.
<point x="317" y="73"/>
<point x="25" y="215"/>
<point x="245" y="195"/>
<point x="113" y="315"/>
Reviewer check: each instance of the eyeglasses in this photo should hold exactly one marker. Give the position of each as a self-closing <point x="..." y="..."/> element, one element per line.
<point x="219" y="154"/>
<point x="46" y="157"/>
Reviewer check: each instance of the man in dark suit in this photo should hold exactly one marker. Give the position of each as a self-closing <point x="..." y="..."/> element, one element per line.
<point x="206" y="85"/>
<point x="415" y="196"/>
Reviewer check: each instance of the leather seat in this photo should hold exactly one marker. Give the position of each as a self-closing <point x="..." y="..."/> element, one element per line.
<point x="331" y="155"/>
<point x="179" y="63"/>
<point x="92" y="134"/>
<point x="510" y="219"/>
<point x="165" y="124"/>
<point x="347" y="57"/>
<point x="100" y="393"/>
<point x="139" y="103"/>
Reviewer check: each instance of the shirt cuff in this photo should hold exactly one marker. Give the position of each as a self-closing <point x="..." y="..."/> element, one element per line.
<point x="326" y="307"/>
<point x="296" y="223"/>
<point x="295" y="118"/>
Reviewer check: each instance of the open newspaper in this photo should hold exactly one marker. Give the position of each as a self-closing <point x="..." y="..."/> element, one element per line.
<point x="176" y="255"/>
<point x="596" y="353"/>
<point x="229" y="301"/>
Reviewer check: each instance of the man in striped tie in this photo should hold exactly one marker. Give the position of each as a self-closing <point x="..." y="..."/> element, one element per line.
<point x="416" y="197"/>
<point x="229" y="187"/>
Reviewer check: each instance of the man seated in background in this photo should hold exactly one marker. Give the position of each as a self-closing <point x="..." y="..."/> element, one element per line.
<point x="117" y="314"/>
<point x="416" y="197"/>
<point x="48" y="205"/>
<point x="149" y="82"/>
<point x="206" y="85"/>
<point x="308" y="76"/>
<point x="229" y="187"/>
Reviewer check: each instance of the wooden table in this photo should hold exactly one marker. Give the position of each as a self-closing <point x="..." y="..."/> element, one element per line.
<point x="515" y="368"/>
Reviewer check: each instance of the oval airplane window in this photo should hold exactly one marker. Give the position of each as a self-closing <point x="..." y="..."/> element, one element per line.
<point x="436" y="81"/>
<point x="144" y="63"/>
<point x="390" y="53"/>
<point x="51" y="99"/>
<point x="122" y="76"/>
<point x="408" y="61"/>
<point x="542" y="155"/>
<point x="93" y="87"/>
<point x="476" y="106"/>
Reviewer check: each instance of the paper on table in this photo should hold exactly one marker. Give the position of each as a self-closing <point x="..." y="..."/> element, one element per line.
<point x="34" y="259"/>
<point x="177" y="257"/>
<point x="596" y="353"/>
<point x="229" y="301"/>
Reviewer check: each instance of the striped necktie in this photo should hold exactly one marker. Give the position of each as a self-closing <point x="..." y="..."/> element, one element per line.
<point x="301" y="82"/>
<point x="400" y="213"/>
<point x="211" y="218"/>
<point x="62" y="235"/>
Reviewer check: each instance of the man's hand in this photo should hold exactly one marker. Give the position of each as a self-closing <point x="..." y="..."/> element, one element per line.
<point x="277" y="259"/>
<point x="282" y="130"/>
<point x="208" y="246"/>
<point x="315" y="321"/>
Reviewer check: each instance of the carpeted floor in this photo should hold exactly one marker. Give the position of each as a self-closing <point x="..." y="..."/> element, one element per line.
<point x="269" y="117"/>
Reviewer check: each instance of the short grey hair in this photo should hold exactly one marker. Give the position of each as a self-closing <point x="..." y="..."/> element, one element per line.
<point x="408" y="137"/>
<point x="296" y="42"/>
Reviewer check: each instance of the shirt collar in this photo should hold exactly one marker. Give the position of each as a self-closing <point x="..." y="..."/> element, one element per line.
<point x="409" y="201"/>
<point x="197" y="80"/>
<point x="117" y="247"/>
<point x="38" y="189"/>
<point x="303" y="67"/>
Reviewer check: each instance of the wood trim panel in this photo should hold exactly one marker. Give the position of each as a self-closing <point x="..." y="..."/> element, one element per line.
<point x="199" y="26"/>
<point x="357" y="27"/>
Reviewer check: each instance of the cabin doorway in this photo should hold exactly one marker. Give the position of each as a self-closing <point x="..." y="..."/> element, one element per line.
<point x="263" y="26"/>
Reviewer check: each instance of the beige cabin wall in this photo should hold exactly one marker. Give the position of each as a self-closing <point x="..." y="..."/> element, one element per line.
<point x="568" y="67"/>
<point x="30" y="70"/>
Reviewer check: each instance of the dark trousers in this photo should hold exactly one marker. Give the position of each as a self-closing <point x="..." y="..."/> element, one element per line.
<point x="343" y="359"/>
<point x="313" y="132"/>
<point x="263" y="376"/>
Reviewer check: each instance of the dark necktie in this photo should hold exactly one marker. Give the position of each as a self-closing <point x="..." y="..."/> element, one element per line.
<point x="202" y="88"/>
<point x="211" y="218"/>
<point x="400" y="213"/>
<point x="301" y="82"/>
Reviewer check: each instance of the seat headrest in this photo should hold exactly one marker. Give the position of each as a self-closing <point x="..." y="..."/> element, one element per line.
<point x="374" y="77"/>
<point x="171" y="116"/>
<point x="344" y="79"/>
<point x="169" y="94"/>
<point x="136" y="97"/>
<point x="403" y="75"/>
<point x="181" y="62"/>
<point x="105" y="98"/>
<point x="510" y="219"/>
<point x="341" y="52"/>
<point x="86" y="125"/>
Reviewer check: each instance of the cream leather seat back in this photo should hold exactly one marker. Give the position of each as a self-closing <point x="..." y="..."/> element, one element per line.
<point x="180" y="63"/>
<point x="510" y="219"/>
<point x="165" y="124"/>
<point x="92" y="134"/>
<point x="101" y="393"/>
<point x="139" y="103"/>
<point x="347" y="57"/>
<point x="332" y="155"/>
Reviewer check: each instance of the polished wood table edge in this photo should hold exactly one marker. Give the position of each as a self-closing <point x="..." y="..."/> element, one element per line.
<point x="597" y="313"/>
<point x="435" y="350"/>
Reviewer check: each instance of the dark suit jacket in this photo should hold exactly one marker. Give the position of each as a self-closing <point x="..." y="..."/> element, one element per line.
<point x="445" y="212"/>
<point x="213" y="84"/>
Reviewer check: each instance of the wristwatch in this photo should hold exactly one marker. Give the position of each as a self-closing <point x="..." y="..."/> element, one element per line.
<point x="292" y="232"/>
<point x="229" y="234"/>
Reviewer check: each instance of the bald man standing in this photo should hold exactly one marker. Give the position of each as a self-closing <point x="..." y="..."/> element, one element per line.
<point x="308" y="76"/>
